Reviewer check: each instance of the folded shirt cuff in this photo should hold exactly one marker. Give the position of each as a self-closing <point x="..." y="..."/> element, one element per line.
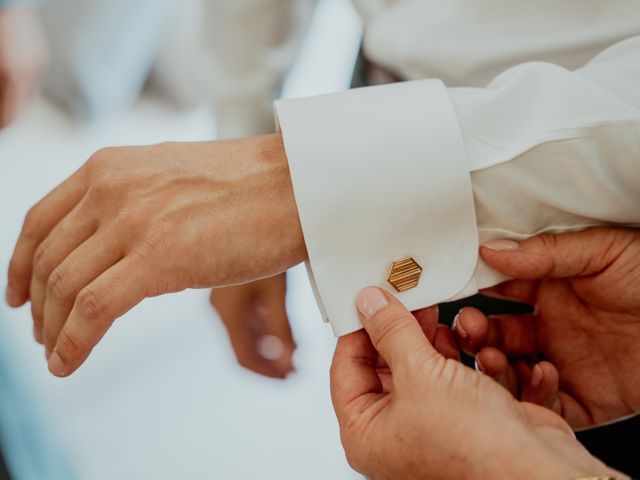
<point x="381" y="174"/>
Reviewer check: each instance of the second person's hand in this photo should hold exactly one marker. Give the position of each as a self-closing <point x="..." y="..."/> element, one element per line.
<point x="579" y="353"/>
<point x="407" y="412"/>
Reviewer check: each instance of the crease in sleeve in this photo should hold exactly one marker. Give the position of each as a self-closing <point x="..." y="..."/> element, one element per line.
<point x="381" y="173"/>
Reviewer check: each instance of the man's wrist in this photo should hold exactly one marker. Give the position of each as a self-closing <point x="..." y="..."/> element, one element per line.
<point x="272" y="150"/>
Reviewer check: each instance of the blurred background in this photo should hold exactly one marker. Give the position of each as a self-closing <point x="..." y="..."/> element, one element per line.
<point x="162" y="396"/>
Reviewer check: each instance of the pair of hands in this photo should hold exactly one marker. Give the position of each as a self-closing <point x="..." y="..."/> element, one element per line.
<point x="408" y="409"/>
<point x="22" y="60"/>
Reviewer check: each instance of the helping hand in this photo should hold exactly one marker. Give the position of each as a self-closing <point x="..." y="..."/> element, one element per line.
<point x="579" y="353"/>
<point x="405" y="411"/>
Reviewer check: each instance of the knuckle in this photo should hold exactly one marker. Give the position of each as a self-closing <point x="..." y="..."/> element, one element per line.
<point x="71" y="344"/>
<point x="43" y="265"/>
<point x="388" y="327"/>
<point x="56" y="285"/>
<point x="102" y="189"/>
<point x="131" y="218"/>
<point x="156" y="237"/>
<point x="548" y="242"/>
<point x="101" y="157"/>
<point x="89" y="304"/>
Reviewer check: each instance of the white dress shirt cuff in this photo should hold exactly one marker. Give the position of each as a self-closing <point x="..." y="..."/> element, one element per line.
<point x="379" y="174"/>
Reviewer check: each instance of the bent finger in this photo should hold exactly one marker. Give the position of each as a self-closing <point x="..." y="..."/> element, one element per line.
<point x="394" y="331"/>
<point x="513" y="334"/>
<point x="518" y="290"/>
<point x="96" y="307"/>
<point x="38" y="223"/>
<point x="558" y="256"/>
<point x="276" y="344"/>
<point x="445" y="343"/>
<point x="65" y="237"/>
<point x="494" y="364"/>
<point x="80" y="268"/>
<point x="539" y="384"/>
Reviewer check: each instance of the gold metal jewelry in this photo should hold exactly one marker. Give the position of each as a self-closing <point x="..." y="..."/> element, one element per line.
<point x="404" y="274"/>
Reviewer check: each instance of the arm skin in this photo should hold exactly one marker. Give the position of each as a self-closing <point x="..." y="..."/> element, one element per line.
<point x="139" y="222"/>
<point x="405" y="411"/>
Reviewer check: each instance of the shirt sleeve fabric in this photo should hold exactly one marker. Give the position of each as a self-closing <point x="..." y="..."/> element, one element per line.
<point x="414" y="169"/>
<point x="254" y="44"/>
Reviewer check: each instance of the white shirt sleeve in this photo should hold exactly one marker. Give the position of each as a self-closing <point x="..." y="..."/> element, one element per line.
<point x="413" y="169"/>
<point x="254" y="43"/>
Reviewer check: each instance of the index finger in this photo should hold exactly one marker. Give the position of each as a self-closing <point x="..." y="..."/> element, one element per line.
<point x="38" y="223"/>
<point x="353" y="373"/>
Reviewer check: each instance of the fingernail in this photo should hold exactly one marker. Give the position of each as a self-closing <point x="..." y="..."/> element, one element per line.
<point x="502" y="245"/>
<point x="56" y="365"/>
<point x="479" y="366"/>
<point x="13" y="298"/>
<point x="536" y="376"/>
<point x="370" y="301"/>
<point x="457" y="327"/>
<point x="271" y="348"/>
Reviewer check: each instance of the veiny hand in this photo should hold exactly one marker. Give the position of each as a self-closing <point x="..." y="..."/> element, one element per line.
<point x="140" y="222"/>
<point x="418" y="415"/>
<point x="579" y="353"/>
<point x="255" y="317"/>
<point x="22" y="59"/>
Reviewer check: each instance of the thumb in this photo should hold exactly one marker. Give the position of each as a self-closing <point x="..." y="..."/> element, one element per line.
<point x="558" y="256"/>
<point x="394" y="331"/>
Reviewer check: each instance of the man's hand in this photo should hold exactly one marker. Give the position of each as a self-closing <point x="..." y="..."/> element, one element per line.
<point x="579" y="353"/>
<point x="139" y="222"/>
<point x="255" y="317"/>
<point x="22" y="59"/>
<point x="405" y="411"/>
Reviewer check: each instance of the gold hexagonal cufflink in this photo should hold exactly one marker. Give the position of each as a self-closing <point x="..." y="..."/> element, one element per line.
<point x="404" y="274"/>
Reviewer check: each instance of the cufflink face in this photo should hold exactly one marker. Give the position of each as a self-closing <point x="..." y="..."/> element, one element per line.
<point x="404" y="274"/>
